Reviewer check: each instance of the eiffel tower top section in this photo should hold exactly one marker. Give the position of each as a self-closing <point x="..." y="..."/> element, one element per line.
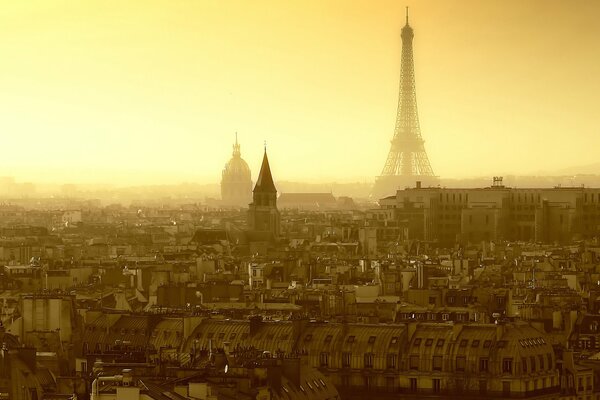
<point x="407" y="160"/>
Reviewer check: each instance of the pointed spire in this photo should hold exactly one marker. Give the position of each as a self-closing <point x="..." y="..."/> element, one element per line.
<point x="264" y="183"/>
<point x="407" y="15"/>
<point x="236" y="147"/>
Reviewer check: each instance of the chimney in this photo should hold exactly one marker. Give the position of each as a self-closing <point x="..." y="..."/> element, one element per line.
<point x="418" y="184"/>
<point x="456" y="330"/>
<point x="255" y="323"/>
<point x="127" y="377"/>
<point x="499" y="330"/>
<point x="28" y="355"/>
<point x="274" y="373"/>
<point x="412" y="328"/>
<point x="291" y="369"/>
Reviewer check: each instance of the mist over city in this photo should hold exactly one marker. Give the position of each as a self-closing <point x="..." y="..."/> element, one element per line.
<point x="333" y="199"/>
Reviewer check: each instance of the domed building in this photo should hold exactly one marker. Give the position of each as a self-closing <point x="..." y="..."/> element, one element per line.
<point x="236" y="182"/>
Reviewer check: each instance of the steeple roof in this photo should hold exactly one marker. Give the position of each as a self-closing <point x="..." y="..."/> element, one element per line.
<point x="264" y="182"/>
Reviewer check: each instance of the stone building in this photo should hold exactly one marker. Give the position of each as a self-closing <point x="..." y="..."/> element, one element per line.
<point x="263" y="215"/>
<point x="447" y="215"/>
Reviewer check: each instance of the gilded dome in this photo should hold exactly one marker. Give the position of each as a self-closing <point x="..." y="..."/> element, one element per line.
<point x="236" y="169"/>
<point x="236" y="181"/>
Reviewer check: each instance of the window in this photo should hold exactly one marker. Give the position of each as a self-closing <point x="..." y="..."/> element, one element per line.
<point x="501" y="344"/>
<point x="507" y="365"/>
<point x="232" y="336"/>
<point x="436" y="384"/>
<point x="394" y="340"/>
<point x="372" y="339"/>
<point x="532" y="361"/>
<point x="414" y="362"/>
<point x="464" y="342"/>
<point x="524" y="364"/>
<point x="437" y="363"/>
<point x="440" y="343"/>
<point x="324" y="359"/>
<point x="413" y="384"/>
<point x="475" y="343"/>
<point x="346" y="359"/>
<point x="428" y="342"/>
<point x="221" y="335"/>
<point x="487" y="344"/>
<point x="483" y="365"/>
<point x="391" y="361"/>
<point x="461" y="361"/>
<point x="417" y="342"/>
<point x="550" y="366"/>
<point x="328" y="338"/>
<point x="369" y="360"/>
<point x="350" y="339"/>
<point x="541" y="360"/>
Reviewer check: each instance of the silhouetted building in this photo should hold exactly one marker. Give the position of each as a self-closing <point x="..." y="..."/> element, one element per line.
<point x="263" y="215"/>
<point x="496" y="213"/>
<point x="236" y="182"/>
<point x="407" y="160"/>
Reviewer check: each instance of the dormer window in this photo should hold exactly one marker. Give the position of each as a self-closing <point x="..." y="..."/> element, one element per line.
<point x="372" y="339"/>
<point x="594" y="326"/>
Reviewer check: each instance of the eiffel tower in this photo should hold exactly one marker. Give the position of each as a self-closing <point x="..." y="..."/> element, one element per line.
<point x="407" y="161"/>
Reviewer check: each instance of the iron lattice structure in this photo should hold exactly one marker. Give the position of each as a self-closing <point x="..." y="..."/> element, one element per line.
<point x="407" y="156"/>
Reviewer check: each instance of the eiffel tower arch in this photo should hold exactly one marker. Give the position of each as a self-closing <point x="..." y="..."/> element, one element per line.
<point x="407" y="161"/>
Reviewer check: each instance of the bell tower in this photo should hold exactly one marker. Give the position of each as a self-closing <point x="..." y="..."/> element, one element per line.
<point x="263" y="215"/>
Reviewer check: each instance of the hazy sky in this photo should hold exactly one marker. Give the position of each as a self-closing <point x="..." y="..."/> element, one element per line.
<point x="154" y="91"/>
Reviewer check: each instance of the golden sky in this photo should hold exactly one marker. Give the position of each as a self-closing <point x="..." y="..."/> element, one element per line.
<point x="146" y="91"/>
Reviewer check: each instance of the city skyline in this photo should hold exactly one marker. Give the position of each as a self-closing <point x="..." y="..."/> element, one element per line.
<point x="159" y="92"/>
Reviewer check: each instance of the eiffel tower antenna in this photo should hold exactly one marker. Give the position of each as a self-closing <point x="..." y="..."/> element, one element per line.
<point x="407" y="161"/>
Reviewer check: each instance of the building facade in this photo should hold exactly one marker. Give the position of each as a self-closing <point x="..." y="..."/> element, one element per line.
<point x="496" y="213"/>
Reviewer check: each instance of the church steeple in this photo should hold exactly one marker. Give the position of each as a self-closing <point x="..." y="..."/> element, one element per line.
<point x="264" y="183"/>
<point x="263" y="215"/>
